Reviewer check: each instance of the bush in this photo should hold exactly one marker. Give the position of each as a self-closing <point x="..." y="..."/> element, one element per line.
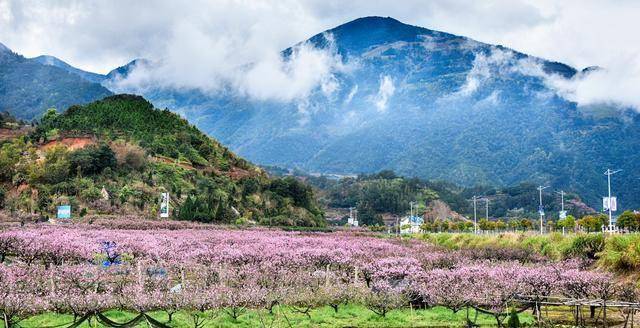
<point x="621" y="253"/>
<point x="585" y="246"/>
<point x="92" y="159"/>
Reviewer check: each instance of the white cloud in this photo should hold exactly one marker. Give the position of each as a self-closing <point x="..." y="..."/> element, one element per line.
<point x="612" y="86"/>
<point x="351" y="94"/>
<point x="202" y="43"/>
<point x="485" y="67"/>
<point x="385" y="91"/>
<point x="291" y="78"/>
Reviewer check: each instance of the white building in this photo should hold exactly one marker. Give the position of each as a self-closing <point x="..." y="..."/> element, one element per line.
<point x="411" y="224"/>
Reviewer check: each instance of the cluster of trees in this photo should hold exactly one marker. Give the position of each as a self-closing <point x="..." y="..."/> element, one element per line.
<point x="375" y="194"/>
<point x="135" y="152"/>
<point x="386" y="192"/>
<point x="629" y="220"/>
<point x="589" y="223"/>
<point x="201" y="271"/>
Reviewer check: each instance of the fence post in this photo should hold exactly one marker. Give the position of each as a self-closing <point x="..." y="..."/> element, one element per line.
<point x="355" y="275"/>
<point x="604" y="313"/>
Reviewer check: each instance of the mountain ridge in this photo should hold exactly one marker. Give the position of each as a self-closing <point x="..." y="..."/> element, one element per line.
<point x="28" y="87"/>
<point x="424" y="103"/>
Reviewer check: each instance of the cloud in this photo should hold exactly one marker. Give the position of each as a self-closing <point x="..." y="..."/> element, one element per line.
<point x="385" y="91"/>
<point x="202" y="43"/>
<point x="616" y="85"/>
<point x="484" y="67"/>
<point x="293" y="77"/>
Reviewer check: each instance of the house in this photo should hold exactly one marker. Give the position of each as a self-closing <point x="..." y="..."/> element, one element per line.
<point x="411" y="224"/>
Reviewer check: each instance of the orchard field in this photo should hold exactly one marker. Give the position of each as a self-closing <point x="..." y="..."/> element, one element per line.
<point x="129" y="273"/>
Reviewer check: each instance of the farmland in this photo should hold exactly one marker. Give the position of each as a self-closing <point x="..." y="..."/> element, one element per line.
<point x="183" y="274"/>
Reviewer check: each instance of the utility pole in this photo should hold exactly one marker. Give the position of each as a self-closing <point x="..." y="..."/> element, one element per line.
<point x="562" y="215"/>
<point x="541" y="209"/>
<point x="350" y="220"/>
<point x="475" y="215"/>
<point x="609" y="173"/>
<point x="561" y="193"/>
<point x="411" y="210"/>
<point x="356" y="219"/>
<point x="486" y="208"/>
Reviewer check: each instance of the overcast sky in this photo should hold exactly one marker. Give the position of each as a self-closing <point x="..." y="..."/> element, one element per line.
<point x="205" y="38"/>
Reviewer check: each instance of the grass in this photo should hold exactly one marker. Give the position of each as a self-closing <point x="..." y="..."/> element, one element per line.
<point x="617" y="253"/>
<point x="555" y="245"/>
<point x="347" y="316"/>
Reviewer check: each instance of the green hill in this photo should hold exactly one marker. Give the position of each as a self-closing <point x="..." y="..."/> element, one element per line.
<point x="116" y="155"/>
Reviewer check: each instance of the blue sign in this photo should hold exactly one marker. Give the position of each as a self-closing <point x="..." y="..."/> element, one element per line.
<point x="64" y="212"/>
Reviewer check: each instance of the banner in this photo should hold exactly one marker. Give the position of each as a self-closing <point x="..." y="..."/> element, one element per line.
<point x="613" y="202"/>
<point x="64" y="212"/>
<point x="164" y="205"/>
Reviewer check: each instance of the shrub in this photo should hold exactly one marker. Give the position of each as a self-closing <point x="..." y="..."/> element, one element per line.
<point x="585" y="246"/>
<point x="621" y="253"/>
<point x="92" y="159"/>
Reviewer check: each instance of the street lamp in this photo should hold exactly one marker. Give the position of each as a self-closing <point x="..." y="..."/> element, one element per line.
<point x="541" y="209"/>
<point x="609" y="173"/>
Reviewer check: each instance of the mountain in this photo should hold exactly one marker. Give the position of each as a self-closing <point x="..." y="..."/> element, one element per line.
<point x="429" y="104"/>
<point x="29" y="86"/>
<point x="53" y="61"/>
<point x="118" y="154"/>
<point x="124" y="70"/>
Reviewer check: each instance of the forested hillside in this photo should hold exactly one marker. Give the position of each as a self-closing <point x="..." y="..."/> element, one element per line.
<point x="387" y="193"/>
<point x="430" y="104"/>
<point x="28" y="86"/>
<point x="116" y="155"/>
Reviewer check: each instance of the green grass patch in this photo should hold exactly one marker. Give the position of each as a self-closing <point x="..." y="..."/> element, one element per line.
<point x="347" y="316"/>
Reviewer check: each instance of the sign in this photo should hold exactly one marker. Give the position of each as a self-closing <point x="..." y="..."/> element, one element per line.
<point x="613" y="202"/>
<point x="541" y="210"/>
<point x="64" y="212"/>
<point x="563" y="214"/>
<point x="164" y="205"/>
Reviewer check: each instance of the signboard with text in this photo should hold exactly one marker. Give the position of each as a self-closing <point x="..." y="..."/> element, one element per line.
<point x="64" y="212"/>
<point x="164" y="205"/>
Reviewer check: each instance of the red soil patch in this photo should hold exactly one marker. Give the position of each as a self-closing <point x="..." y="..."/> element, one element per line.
<point x="72" y="143"/>
<point x="237" y="173"/>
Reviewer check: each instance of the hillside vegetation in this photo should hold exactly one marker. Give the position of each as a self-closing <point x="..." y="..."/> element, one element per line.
<point x="28" y="87"/>
<point x="385" y="192"/>
<point x="118" y="154"/>
<point x="619" y="253"/>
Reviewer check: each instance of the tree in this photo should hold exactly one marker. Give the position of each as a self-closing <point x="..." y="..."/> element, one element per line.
<point x="568" y="222"/>
<point x="526" y="224"/>
<point x="629" y="220"/>
<point x="92" y="159"/>
<point x="56" y="165"/>
<point x="485" y="224"/>
<point x="593" y="222"/>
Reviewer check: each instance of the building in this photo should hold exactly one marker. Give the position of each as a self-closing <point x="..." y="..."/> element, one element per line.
<point x="411" y="224"/>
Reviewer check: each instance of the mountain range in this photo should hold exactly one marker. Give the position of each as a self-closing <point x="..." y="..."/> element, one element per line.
<point x="420" y="102"/>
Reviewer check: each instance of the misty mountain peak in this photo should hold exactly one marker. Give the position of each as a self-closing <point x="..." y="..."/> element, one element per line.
<point x="362" y="34"/>
<point x="4" y="48"/>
